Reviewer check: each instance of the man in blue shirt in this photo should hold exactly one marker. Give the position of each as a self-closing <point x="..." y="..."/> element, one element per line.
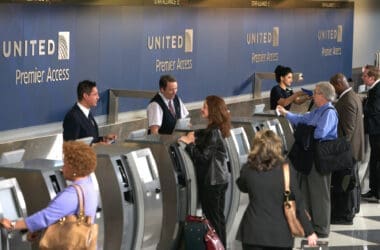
<point x="315" y="186"/>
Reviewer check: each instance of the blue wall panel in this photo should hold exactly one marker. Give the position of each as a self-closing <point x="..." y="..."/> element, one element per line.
<point x="114" y="46"/>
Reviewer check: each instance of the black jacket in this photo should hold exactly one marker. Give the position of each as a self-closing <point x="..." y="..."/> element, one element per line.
<point x="76" y="125"/>
<point x="372" y="111"/>
<point x="209" y="155"/>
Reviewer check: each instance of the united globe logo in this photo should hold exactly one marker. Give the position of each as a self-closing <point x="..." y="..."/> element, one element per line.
<point x="63" y="45"/>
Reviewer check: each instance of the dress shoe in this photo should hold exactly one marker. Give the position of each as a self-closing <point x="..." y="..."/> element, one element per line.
<point x="369" y="194"/>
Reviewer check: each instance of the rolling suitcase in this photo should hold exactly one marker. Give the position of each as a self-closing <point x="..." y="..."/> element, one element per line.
<point x="195" y="231"/>
<point x="345" y="195"/>
<point x="200" y="235"/>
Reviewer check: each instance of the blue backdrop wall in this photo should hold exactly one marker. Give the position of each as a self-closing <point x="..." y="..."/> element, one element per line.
<point x="47" y="49"/>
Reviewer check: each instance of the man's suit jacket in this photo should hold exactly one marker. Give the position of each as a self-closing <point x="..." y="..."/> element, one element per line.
<point x="372" y="111"/>
<point x="76" y="125"/>
<point x="350" y="125"/>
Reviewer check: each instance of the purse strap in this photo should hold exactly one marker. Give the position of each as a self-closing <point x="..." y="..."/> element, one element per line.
<point x="285" y="167"/>
<point x="80" y="194"/>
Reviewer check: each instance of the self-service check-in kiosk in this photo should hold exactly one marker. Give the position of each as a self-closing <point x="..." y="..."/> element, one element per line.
<point x="12" y="206"/>
<point x="254" y="124"/>
<point x="178" y="184"/>
<point x="240" y="200"/>
<point x="40" y="181"/>
<point x="131" y="197"/>
<point x="286" y="126"/>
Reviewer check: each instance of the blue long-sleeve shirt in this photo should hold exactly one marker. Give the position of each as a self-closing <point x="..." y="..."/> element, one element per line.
<point x="65" y="203"/>
<point x="324" y="119"/>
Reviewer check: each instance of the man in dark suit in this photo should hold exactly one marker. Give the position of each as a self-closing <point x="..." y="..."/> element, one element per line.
<point x="371" y="78"/>
<point x="350" y="125"/>
<point x="79" y="122"/>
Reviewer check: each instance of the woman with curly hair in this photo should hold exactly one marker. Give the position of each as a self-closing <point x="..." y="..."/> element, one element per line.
<point x="79" y="163"/>
<point x="209" y="154"/>
<point x="264" y="225"/>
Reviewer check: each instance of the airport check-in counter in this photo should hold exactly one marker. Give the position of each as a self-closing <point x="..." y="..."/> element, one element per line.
<point x="131" y="197"/>
<point x="12" y="206"/>
<point x="254" y="124"/>
<point x="178" y="184"/>
<point x="287" y="127"/>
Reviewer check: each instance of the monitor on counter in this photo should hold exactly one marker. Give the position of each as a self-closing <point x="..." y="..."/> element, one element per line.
<point x="12" y="156"/>
<point x="183" y="124"/>
<point x="137" y="134"/>
<point x="11" y="199"/>
<point x="145" y="164"/>
<point x="87" y="140"/>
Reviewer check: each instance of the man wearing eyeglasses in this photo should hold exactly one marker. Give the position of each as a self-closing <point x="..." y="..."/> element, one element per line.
<point x="371" y="78"/>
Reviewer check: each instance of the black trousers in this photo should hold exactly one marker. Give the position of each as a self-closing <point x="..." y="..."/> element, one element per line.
<point x="374" y="165"/>
<point x="212" y="199"/>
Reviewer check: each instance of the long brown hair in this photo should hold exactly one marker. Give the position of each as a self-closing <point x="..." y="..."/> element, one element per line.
<point x="266" y="151"/>
<point x="218" y="114"/>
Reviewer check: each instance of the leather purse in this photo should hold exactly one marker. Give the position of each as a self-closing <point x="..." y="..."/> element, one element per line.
<point x="290" y="207"/>
<point x="72" y="232"/>
<point x="211" y="238"/>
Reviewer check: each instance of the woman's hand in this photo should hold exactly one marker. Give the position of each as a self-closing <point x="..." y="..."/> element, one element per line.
<point x="5" y="223"/>
<point x="312" y="239"/>
<point x="189" y="138"/>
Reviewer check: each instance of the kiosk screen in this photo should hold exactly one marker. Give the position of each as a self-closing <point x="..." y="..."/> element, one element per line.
<point x="8" y="204"/>
<point x="144" y="169"/>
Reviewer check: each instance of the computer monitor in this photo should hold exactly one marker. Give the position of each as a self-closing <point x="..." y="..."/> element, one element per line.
<point x="137" y="134"/>
<point x="241" y="142"/>
<point x="87" y="140"/>
<point x="183" y="124"/>
<point x="12" y="156"/>
<point x="12" y="204"/>
<point x="145" y="164"/>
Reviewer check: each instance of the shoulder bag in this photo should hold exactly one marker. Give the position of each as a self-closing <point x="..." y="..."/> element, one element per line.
<point x="72" y="232"/>
<point x="290" y="207"/>
<point x="333" y="155"/>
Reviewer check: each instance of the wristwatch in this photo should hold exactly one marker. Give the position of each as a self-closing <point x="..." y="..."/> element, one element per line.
<point x="13" y="225"/>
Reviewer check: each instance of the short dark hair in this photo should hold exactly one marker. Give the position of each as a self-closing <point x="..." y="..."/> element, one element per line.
<point x="281" y="71"/>
<point x="164" y="81"/>
<point x="85" y="86"/>
<point x="373" y="71"/>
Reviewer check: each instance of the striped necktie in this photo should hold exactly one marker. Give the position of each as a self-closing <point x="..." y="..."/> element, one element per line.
<point x="171" y="108"/>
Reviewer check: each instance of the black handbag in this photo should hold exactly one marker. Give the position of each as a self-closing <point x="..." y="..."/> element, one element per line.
<point x="333" y="155"/>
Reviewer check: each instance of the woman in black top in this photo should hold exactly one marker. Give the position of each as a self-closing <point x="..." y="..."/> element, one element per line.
<point x="282" y="94"/>
<point x="209" y="154"/>
<point x="264" y="225"/>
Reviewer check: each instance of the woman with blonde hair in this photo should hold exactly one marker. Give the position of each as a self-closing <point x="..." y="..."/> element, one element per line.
<point x="264" y="225"/>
